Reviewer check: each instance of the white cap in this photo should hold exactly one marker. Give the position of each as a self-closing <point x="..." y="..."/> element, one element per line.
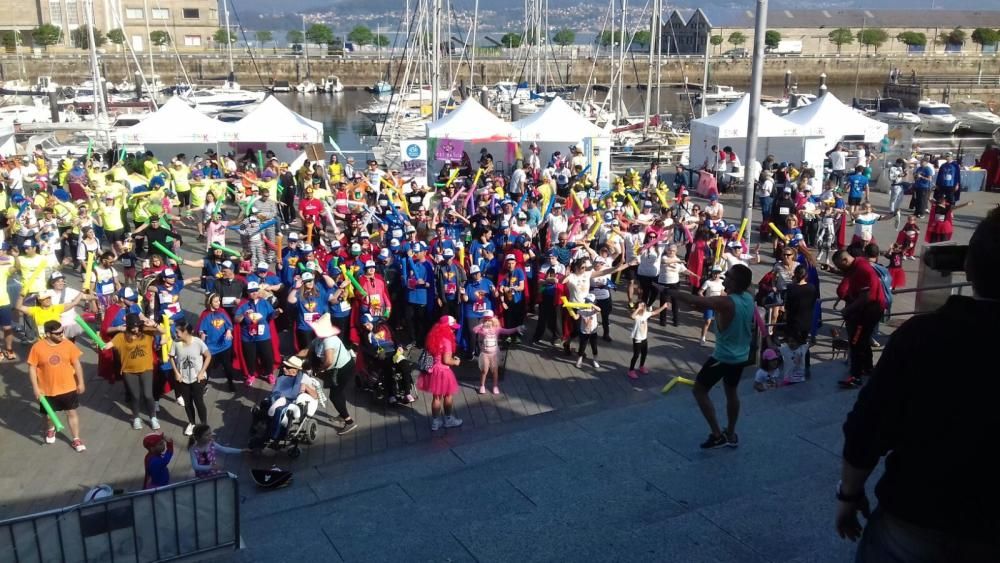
<point x="306" y="276"/>
<point x="47" y="294"/>
<point x="369" y="264"/>
<point x="253" y="286"/>
<point x="475" y="270"/>
<point x="293" y="236"/>
<point x="263" y="266"/>
<point x="510" y="257"/>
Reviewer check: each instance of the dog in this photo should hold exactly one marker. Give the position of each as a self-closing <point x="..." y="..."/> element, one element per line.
<point x="838" y="344"/>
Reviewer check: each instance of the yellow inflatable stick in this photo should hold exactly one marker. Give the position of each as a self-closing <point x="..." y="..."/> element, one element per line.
<point x="778" y="232"/>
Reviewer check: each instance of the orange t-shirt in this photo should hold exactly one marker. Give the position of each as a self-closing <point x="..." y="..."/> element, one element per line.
<point x="54" y="365"/>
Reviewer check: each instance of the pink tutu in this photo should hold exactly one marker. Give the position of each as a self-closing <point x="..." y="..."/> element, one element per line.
<point x="439" y="381"/>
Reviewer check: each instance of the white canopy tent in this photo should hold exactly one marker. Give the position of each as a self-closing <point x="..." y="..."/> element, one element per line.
<point x="775" y="135"/>
<point x="272" y="126"/>
<point x="478" y="128"/>
<point x="7" y="145"/>
<point x="830" y="121"/>
<point x="557" y="126"/>
<point x="176" y="128"/>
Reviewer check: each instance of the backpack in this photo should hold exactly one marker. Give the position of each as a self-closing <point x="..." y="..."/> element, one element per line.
<point x="886" y="279"/>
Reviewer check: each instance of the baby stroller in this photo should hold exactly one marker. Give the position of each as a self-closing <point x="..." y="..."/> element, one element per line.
<point x="280" y="425"/>
<point x="388" y="376"/>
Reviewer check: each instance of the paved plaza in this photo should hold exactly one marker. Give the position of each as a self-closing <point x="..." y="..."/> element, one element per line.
<point x="565" y="464"/>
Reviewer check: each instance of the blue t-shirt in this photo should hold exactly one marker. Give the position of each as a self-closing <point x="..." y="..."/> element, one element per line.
<point x="948" y="175"/>
<point x="169" y="300"/>
<point x="512" y="279"/>
<point x="857" y="184"/>
<point x="267" y="279"/>
<point x="477" y="305"/>
<point x="210" y="269"/>
<point x="923" y="183"/>
<point x="418" y="294"/>
<point x="119" y="319"/>
<point x="214" y="326"/>
<point x="259" y="331"/>
<point x="311" y="308"/>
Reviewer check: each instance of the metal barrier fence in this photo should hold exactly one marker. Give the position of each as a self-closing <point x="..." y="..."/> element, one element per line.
<point x="173" y="522"/>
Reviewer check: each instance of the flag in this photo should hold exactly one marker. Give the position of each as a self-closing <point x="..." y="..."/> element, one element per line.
<point x="449" y="149"/>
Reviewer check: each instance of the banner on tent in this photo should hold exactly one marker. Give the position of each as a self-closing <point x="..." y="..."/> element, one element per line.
<point x="414" y="160"/>
<point x="449" y="149"/>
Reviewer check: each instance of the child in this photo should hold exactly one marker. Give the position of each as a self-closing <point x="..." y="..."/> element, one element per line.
<point x="640" y="347"/>
<point x="895" y="256"/>
<point x="215" y="230"/>
<point x="488" y="331"/>
<point x="793" y="359"/>
<point x="590" y="319"/>
<point x="712" y="287"/>
<point x="160" y="451"/>
<point x="105" y="282"/>
<point x="827" y="235"/>
<point x="130" y="262"/>
<point x="767" y="374"/>
<point x="205" y="451"/>
<point x="908" y="237"/>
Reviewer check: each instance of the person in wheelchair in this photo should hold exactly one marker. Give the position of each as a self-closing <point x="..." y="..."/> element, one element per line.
<point x="295" y="395"/>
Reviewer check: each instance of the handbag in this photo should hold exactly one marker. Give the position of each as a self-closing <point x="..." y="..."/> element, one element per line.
<point x="425" y="362"/>
<point x="757" y="327"/>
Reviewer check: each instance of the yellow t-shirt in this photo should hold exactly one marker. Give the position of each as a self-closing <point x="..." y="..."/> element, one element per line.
<point x="111" y="217"/>
<point x="50" y="313"/>
<point x="5" y="267"/>
<point x="29" y="267"/>
<point x="180" y="177"/>
<point x="136" y="355"/>
<point x="150" y="167"/>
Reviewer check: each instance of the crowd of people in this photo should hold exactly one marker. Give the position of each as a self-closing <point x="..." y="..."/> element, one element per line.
<point x="344" y="269"/>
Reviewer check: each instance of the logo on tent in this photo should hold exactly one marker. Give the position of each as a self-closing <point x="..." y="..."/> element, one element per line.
<point x="413" y="150"/>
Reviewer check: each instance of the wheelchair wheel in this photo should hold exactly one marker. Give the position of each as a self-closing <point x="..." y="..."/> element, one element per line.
<point x="294" y="452"/>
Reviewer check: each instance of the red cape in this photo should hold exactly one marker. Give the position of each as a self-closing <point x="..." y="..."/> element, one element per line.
<point x="238" y="344"/>
<point x="106" y="364"/>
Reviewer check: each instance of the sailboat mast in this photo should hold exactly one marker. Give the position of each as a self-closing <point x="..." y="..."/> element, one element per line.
<point x="100" y="109"/>
<point x="649" y="67"/>
<point x="621" y="62"/>
<point x="659" y="53"/>
<point x="704" y="78"/>
<point x="229" y="40"/>
<point x="145" y="12"/>
<point x="435" y="58"/>
<point x="472" y="56"/>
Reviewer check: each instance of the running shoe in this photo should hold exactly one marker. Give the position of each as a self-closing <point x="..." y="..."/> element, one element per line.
<point x="78" y="445"/>
<point x="714" y="442"/>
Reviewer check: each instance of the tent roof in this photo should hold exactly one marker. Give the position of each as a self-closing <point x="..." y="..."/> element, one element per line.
<point x="732" y="122"/>
<point x="829" y="117"/>
<point x="557" y="121"/>
<point x="272" y="121"/>
<point x="471" y="122"/>
<point x="176" y="123"/>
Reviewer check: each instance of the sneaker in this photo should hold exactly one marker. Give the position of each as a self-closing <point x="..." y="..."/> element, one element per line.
<point x="632" y="374"/>
<point x="137" y="423"/>
<point x="850" y="383"/>
<point x="876" y="344"/>
<point x="249" y="380"/>
<point x="714" y="442"/>
<point x="452" y="422"/>
<point x="732" y="440"/>
<point x="436" y="424"/>
<point x="704" y="342"/>
<point x="496" y="390"/>
<point x="189" y="429"/>
<point x="348" y="428"/>
<point x="759" y="387"/>
<point x="154" y="423"/>
<point x="271" y="379"/>
<point x="482" y="389"/>
<point x="606" y="338"/>
<point x="180" y="401"/>
<point x="579" y="362"/>
<point x="50" y="436"/>
<point x="410" y="398"/>
<point x="597" y="365"/>
<point x="644" y="370"/>
<point x="78" y="445"/>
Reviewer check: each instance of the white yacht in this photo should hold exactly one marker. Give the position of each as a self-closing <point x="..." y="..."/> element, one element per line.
<point x="718" y="93"/>
<point x="891" y="112"/>
<point x="20" y="114"/>
<point x="229" y="95"/>
<point x="331" y="84"/>
<point x="306" y="87"/>
<point x="936" y="117"/>
<point x="975" y="116"/>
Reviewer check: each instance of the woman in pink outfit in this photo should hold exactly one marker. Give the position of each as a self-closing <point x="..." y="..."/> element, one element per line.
<point x="440" y="381"/>
<point x="489" y="332"/>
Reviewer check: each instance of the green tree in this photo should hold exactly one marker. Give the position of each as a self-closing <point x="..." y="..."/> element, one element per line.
<point x="771" y="39"/>
<point x="223" y="36"/>
<point x="380" y="40"/>
<point x="361" y="35"/>
<point x="737" y="38"/>
<point x="840" y="37"/>
<point x="9" y="40"/>
<point x="872" y="37"/>
<point x="642" y="38"/>
<point x="564" y="37"/>
<point x="606" y="38"/>
<point x="295" y="36"/>
<point x="46" y="34"/>
<point x="953" y="37"/>
<point x="262" y="37"/>
<point x="116" y="36"/>
<point x="319" y="34"/>
<point x="511" y="40"/>
<point x="912" y="38"/>
<point x="985" y="37"/>
<point x="160" y="38"/>
<point x="716" y="40"/>
<point x="81" y="39"/>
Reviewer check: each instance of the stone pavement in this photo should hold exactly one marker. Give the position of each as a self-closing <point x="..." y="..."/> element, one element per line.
<point x="547" y="412"/>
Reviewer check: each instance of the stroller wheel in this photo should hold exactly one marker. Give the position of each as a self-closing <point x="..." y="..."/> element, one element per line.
<point x="311" y="431"/>
<point x="294" y="452"/>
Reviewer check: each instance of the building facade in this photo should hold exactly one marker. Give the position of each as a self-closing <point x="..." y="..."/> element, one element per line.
<point x="189" y="23"/>
<point x="813" y="29"/>
<point x="685" y="38"/>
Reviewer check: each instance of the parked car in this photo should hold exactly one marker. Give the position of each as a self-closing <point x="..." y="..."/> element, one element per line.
<point x="737" y="53"/>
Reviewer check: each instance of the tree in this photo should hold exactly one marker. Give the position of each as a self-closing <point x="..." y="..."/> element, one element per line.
<point x="46" y="34"/>
<point x="642" y="38"/>
<point x="716" y="40"/>
<point x="985" y="37"/>
<point x="319" y="34"/>
<point x="872" y="37"/>
<point x="912" y="38"/>
<point x="116" y="36"/>
<point x="81" y="38"/>
<point x="361" y="35"/>
<point x="564" y="37"/>
<point x="771" y="39"/>
<point x="295" y="36"/>
<point x="263" y="37"/>
<point x="380" y="40"/>
<point x="9" y="40"/>
<point x="606" y="38"/>
<point x="840" y="37"/>
<point x="159" y="38"/>
<point x="223" y="36"/>
<point x="737" y="38"/>
<point x="511" y="40"/>
<point x="953" y="37"/>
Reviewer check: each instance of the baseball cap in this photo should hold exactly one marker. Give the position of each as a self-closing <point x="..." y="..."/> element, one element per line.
<point x="253" y="286"/>
<point x="367" y="319"/>
<point x="510" y="257"/>
<point x="504" y="225"/>
<point x="411" y="229"/>
<point x="227" y="265"/>
<point x="169" y="273"/>
<point x="306" y="248"/>
<point x="28" y="243"/>
<point x="56" y="276"/>
<point x="556" y="205"/>
<point x="713" y="197"/>
<point x="384" y="253"/>
<point x="448" y="252"/>
<point x="47" y="294"/>
<point x="355" y="248"/>
<point x="127" y="293"/>
<point x="452" y="323"/>
<point x="474" y="269"/>
<point x="334" y="244"/>
<point x="716" y="268"/>
<point x="306" y="276"/>
<point x="263" y="266"/>
<point x="150" y="441"/>
<point x="788" y="190"/>
<point x="488" y="314"/>
<point x="648" y="203"/>
<point x="369" y="264"/>
<point x="293" y="236"/>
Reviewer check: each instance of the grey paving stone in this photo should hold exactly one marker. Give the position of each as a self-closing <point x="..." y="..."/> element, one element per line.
<point x="690" y="537"/>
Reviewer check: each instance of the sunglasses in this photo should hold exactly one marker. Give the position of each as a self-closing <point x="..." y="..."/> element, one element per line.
<point x="787" y="254"/>
<point x="56" y="333"/>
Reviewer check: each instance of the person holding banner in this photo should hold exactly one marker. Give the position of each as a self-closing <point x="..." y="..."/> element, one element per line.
<point x="57" y="382"/>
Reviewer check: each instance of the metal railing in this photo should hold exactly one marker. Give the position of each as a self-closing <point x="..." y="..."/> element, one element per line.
<point x="165" y="524"/>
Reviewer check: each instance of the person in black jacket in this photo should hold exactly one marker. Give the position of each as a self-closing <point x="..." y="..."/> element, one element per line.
<point x="930" y="408"/>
